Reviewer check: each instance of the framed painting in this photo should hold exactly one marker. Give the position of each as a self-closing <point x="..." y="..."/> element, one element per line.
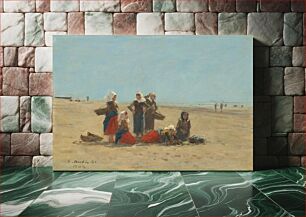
<point x="153" y="103"/>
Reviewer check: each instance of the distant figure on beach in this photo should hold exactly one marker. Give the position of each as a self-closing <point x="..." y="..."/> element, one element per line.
<point x="123" y="135"/>
<point x="221" y="106"/>
<point x="138" y="108"/>
<point x="216" y="107"/>
<point x="110" y="123"/>
<point x="151" y="110"/>
<point x="183" y="127"/>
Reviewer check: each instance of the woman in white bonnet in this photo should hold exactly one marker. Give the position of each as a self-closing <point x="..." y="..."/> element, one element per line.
<point x="110" y="123"/>
<point x="123" y="135"/>
<point x="138" y="107"/>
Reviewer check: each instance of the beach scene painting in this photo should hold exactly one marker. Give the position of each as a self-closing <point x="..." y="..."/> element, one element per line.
<point x="153" y="103"/>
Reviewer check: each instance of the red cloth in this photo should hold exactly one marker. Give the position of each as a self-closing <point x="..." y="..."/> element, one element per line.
<point x="128" y="139"/>
<point x="112" y="127"/>
<point x="151" y="137"/>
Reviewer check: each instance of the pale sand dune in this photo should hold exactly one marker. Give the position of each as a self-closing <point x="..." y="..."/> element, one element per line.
<point x="228" y="147"/>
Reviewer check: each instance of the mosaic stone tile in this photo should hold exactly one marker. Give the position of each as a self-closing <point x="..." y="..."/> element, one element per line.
<point x="296" y="143"/>
<point x="191" y="5"/>
<point x="24" y="144"/>
<point x="163" y="5"/>
<point x="19" y="6"/>
<point x="232" y="24"/>
<point x="55" y="21"/>
<point x="124" y="24"/>
<point x="17" y="161"/>
<point x="42" y="5"/>
<point x="136" y="5"/>
<point x="41" y="114"/>
<point x="297" y="5"/>
<point x="42" y="161"/>
<point x="34" y="29"/>
<point x="299" y="104"/>
<point x="293" y="29"/>
<point x="12" y="29"/>
<point x="15" y="81"/>
<point x="40" y="84"/>
<point x="10" y="56"/>
<point x="46" y="144"/>
<point x="76" y="23"/>
<point x="266" y="28"/>
<point x="179" y="22"/>
<point x="9" y="115"/>
<point x="282" y="118"/>
<point x="43" y="59"/>
<point x="150" y="24"/>
<point x="25" y="113"/>
<point x="281" y="6"/>
<point x="206" y="23"/>
<point x="294" y="81"/>
<point x="66" y="6"/>
<point x="26" y="56"/>
<point x="100" y="5"/>
<point x="98" y="23"/>
<point x="5" y="144"/>
<point x="246" y="5"/>
<point x="222" y="5"/>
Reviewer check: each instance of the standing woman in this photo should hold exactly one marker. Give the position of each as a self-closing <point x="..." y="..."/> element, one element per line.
<point x="110" y="123"/>
<point x="151" y="110"/>
<point x="138" y="108"/>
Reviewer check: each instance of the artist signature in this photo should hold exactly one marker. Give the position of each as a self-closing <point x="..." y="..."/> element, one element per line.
<point x="81" y="164"/>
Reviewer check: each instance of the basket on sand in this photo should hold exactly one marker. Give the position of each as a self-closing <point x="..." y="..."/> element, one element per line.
<point x="90" y="137"/>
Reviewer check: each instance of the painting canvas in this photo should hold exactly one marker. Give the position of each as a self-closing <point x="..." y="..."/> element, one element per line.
<point x="153" y="103"/>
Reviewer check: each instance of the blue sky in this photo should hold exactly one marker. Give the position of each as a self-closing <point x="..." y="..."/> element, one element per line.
<point x="180" y="69"/>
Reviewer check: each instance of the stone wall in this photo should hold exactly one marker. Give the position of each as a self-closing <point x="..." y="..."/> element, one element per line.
<point x="27" y="27"/>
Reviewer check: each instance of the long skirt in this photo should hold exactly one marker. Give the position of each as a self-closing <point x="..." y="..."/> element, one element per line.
<point x="149" y="122"/>
<point x="127" y="138"/>
<point x="111" y="127"/>
<point x="151" y="137"/>
<point x="138" y="123"/>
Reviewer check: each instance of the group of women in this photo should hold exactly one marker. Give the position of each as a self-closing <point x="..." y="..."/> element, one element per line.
<point x="116" y="125"/>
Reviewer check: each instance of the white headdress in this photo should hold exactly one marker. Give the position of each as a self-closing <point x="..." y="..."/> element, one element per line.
<point x="142" y="99"/>
<point x="109" y="97"/>
<point x="123" y="116"/>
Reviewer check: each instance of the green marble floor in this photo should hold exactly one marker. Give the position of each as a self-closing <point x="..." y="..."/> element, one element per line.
<point x="42" y="192"/>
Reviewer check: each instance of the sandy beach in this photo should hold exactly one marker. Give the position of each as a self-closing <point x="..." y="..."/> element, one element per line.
<point x="229" y="140"/>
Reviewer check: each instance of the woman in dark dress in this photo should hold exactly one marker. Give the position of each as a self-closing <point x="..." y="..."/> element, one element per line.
<point x="183" y="127"/>
<point x="151" y="110"/>
<point x="138" y="108"/>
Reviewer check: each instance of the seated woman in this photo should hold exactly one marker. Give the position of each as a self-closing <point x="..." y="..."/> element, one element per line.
<point x="183" y="127"/>
<point x="167" y="135"/>
<point x="123" y="136"/>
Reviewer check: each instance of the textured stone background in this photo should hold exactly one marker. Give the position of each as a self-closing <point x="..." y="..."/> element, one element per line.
<point x="26" y="88"/>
